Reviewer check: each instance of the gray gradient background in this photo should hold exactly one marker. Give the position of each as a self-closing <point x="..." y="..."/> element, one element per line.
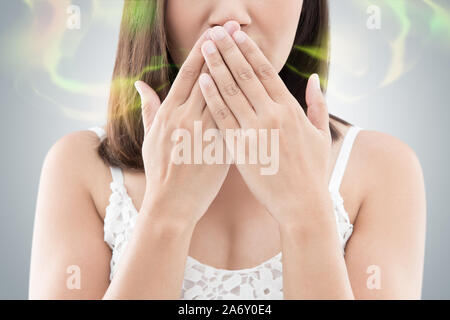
<point x="414" y="108"/>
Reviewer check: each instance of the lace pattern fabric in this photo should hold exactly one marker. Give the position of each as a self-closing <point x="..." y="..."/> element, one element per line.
<point x="119" y="222"/>
<point x="206" y="282"/>
<point x="202" y="281"/>
<point x="261" y="283"/>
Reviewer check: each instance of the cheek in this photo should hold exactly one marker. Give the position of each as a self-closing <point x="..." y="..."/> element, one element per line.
<point x="279" y="45"/>
<point x="278" y="31"/>
<point x="178" y="43"/>
<point x="180" y="30"/>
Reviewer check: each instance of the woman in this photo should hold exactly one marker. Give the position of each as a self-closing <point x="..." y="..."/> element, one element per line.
<point x="250" y="65"/>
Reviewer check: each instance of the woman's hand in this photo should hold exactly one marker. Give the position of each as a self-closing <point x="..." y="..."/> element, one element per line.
<point x="259" y="99"/>
<point x="184" y="189"/>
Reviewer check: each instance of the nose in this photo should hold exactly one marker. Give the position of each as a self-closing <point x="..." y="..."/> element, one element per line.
<point x="229" y="10"/>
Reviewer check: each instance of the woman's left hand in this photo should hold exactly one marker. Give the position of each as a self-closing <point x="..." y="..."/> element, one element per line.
<point x="259" y="99"/>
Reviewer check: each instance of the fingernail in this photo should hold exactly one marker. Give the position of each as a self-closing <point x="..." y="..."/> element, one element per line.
<point x="138" y="87"/>
<point x="229" y="26"/>
<point x="208" y="34"/>
<point x="204" y="80"/>
<point x="209" y="47"/>
<point x="316" y="80"/>
<point x="218" y="33"/>
<point x="239" y="36"/>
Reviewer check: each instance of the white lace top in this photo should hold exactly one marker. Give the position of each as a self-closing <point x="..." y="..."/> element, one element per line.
<point x="202" y="281"/>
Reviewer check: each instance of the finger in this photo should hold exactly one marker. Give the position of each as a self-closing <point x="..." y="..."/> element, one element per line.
<point x="265" y="71"/>
<point x="232" y="26"/>
<point x="227" y="86"/>
<point x="242" y="71"/>
<point x="208" y="120"/>
<point x="317" y="107"/>
<point x="188" y="73"/>
<point x="220" y="112"/>
<point x="217" y="137"/>
<point x="196" y="101"/>
<point x="150" y="104"/>
<point x="196" y="96"/>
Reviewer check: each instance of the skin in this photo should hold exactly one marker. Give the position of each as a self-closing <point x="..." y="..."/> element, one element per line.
<point x="228" y="215"/>
<point x="261" y="20"/>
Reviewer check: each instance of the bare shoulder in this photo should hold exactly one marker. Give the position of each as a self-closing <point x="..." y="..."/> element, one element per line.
<point x="389" y="231"/>
<point x="387" y="155"/>
<point x="75" y="152"/>
<point x="391" y="171"/>
<point x="74" y="158"/>
<point x="67" y="228"/>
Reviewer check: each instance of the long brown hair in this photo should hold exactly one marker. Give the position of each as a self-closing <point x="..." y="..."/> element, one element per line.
<point x="142" y="55"/>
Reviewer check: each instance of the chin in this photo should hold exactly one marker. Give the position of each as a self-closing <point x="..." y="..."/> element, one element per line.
<point x="278" y="65"/>
<point x="276" y="62"/>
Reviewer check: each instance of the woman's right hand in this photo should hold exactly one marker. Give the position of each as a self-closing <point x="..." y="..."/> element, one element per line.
<point x="182" y="191"/>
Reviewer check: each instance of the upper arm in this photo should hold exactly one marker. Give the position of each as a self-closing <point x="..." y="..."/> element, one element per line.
<point x="68" y="232"/>
<point x="388" y="241"/>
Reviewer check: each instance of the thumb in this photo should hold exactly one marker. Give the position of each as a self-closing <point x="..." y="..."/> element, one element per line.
<point x="150" y="103"/>
<point x="317" y="111"/>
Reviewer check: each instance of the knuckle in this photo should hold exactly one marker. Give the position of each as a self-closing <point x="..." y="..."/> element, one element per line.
<point x="146" y="114"/>
<point x="251" y="50"/>
<point x="228" y="47"/>
<point x="245" y="74"/>
<point x="188" y="72"/>
<point x="184" y="123"/>
<point x="266" y="71"/>
<point x="222" y="112"/>
<point x="231" y="89"/>
<point x="146" y="106"/>
<point x="210" y="92"/>
<point x="272" y="121"/>
<point x="216" y="62"/>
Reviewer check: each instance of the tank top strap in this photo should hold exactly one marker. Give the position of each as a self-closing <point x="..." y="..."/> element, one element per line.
<point x="342" y="159"/>
<point x="117" y="175"/>
<point x="99" y="131"/>
<point x="116" y="172"/>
